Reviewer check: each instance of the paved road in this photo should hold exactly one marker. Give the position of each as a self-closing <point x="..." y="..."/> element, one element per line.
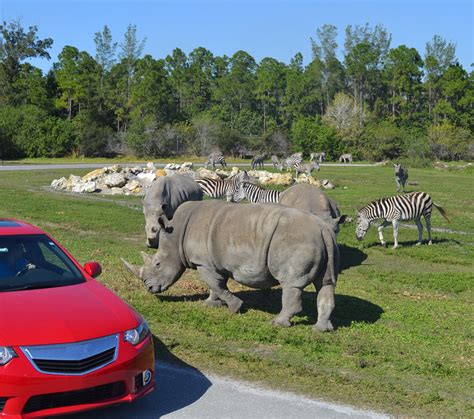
<point x="187" y="393"/>
<point x="10" y="167"/>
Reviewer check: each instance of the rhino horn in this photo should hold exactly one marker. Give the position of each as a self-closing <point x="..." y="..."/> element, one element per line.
<point x="146" y="258"/>
<point x="135" y="270"/>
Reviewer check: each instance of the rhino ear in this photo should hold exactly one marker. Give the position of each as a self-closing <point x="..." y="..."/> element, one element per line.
<point x="165" y="225"/>
<point x="164" y="206"/>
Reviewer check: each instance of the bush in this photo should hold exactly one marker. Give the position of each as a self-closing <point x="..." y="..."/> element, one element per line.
<point x="384" y="140"/>
<point x="91" y="137"/>
<point x="310" y="135"/>
<point x="449" y="142"/>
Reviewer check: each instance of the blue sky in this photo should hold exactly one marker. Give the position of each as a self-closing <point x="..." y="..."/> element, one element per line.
<point x="278" y="28"/>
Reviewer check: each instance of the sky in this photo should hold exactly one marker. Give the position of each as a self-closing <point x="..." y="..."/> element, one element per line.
<point x="263" y="28"/>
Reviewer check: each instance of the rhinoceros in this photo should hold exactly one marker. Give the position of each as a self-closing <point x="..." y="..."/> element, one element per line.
<point x="165" y="195"/>
<point x="258" y="245"/>
<point x="309" y="198"/>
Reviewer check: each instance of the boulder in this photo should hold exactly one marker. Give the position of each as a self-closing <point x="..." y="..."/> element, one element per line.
<point x="84" y="187"/>
<point x="60" y="183"/>
<point x="146" y="178"/>
<point x="160" y="172"/>
<point x="283" y="179"/>
<point x="132" y="185"/>
<point x="95" y="174"/>
<point x="116" y="191"/>
<point x="116" y="168"/>
<point x="327" y="184"/>
<point x="207" y="174"/>
<point x="222" y="173"/>
<point x="150" y="167"/>
<point x="187" y="164"/>
<point x="115" y="180"/>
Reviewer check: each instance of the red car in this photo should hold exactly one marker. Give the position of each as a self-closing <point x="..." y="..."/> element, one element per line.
<point x="67" y="343"/>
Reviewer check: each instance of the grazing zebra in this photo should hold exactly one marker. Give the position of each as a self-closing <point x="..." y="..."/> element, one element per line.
<point x="395" y="209"/>
<point x="320" y="157"/>
<point x="345" y="158"/>
<point x="293" y="160"/>
<point x="401" y="176"/>
<point x="255" y="193"/>
<point x="276" y="162"/>
<point x="306" y="168"/>
<point x="218" y="188"/>
<point x="215" y="158"/>
<point x="258" y="161"/>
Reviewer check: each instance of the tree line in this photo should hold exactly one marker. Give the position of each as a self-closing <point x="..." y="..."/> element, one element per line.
<point x="377" y="102"/>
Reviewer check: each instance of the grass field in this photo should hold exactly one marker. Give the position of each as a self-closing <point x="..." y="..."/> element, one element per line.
<point x="404" y="317"/>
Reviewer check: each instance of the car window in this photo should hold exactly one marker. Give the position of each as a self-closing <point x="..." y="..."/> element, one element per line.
<point x="34" y="261"/>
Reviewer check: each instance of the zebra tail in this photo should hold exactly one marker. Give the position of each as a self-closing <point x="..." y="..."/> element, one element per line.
<point x="442" y="211"/>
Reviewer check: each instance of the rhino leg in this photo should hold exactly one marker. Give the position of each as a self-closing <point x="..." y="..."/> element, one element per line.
<point x="218" y="285"/>
<point x="213" y="300"/>
<point x="326" y="305"/>
<point x="291" y="302"/>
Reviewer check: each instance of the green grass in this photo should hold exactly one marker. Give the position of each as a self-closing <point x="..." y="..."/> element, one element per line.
<point x="404" y="317"/>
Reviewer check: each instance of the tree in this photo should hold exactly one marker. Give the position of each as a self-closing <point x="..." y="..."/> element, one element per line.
<point x="67" y="76"/>
<point x="105" y="56"/>
<point x="403" y="72"/>
<point x="448" y="141"/>
<point x="439" y="55"/>
<point x="269" y="88"/>
<point x="130" y="51"/>
<point x="16" y="45"/>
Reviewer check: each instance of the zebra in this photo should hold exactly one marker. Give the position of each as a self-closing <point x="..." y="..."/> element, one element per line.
<point x="276" y="162"/>
<point x="218" y="188"/>
<point x="395" y="209"/>
<point x="255" y="193"/>
<point x="345" y="158"/>
<point x="320" y="157"/>
<point x="293" y="160"/>
<point x="258" y="160"/>
<point x="306" y="168"/>
<point x="401" y="176"/>
<point x="215" y="158"/>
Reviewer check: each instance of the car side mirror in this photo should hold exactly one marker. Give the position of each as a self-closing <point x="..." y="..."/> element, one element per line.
<point x="93" y="269"/>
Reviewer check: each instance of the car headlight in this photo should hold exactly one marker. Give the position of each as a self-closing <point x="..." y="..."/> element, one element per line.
<point x="137" y="335"/>
<point x="6" y="355"/>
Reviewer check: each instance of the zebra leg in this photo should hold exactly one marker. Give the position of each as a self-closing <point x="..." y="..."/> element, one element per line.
<point x="420" y="231"/>
<point x="213" y="300"/>
<point x="398" y="185"/>
<point x="326" y="305"/>
<point x="218" y="285"/>
<point x="395" y="233"/>
<point x="380" y="230"/>
<point x="291" y="302"/>
<point x="428" y="228"/>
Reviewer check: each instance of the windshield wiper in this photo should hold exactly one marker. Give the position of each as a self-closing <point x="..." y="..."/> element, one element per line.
<point x="37" y="285"/>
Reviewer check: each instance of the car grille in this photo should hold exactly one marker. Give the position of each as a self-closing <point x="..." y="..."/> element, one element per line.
<point x="76" y="358"/>
<point x="76" y="367"/>
<point x="3" y="401"/>
<point x="71" y="398"/>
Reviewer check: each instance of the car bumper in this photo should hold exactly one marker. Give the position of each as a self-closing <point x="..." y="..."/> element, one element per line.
<point x="27" y="393"/>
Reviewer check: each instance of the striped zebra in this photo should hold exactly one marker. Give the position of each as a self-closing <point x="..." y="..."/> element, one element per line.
<point x="255" y="193"/>
<point x="319" y="157"/>
<point x="306" y="168"/>
<point x="401" y="176"/>
<point x="215" y="158"/>
<point x="293" y="160"/>
<point x="345" y="158"/>
<point x="395" y="209"/>
<point x="218" y="188"/>
<point x="258" y="161"/>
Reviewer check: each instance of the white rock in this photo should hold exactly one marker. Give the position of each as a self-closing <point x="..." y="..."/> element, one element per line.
<point x="146" y="179"/>
<point x="115" y="180"/>
<point x="116" y="191"/>
<point x="327" y="184"/>
<point x="131" y="185"/>
<point x="207" y="174"/>
<point x="60" y="183"/>
<point x="150" y="166"/>
<point x="88" y="187"/>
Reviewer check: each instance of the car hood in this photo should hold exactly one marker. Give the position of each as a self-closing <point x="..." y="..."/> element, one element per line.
<point x="61" y="315"/>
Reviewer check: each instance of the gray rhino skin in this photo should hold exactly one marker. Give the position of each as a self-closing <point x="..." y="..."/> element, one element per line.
<point x="306" y="197"/>
<point x="165" y="195"/>
<point x="258" y="245"/>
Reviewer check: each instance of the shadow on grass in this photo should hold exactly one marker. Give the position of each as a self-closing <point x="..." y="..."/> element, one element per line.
<point x="350" y="256"/>
<point x="348" y="309"/>
<point x="411" y="243"/>
<point x="178" y="385"/>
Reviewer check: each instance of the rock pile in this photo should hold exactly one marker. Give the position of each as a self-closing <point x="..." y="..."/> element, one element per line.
<point x="118" y="180"/>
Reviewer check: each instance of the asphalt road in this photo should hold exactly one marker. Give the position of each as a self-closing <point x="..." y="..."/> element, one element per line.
<point x="187" y="393"/>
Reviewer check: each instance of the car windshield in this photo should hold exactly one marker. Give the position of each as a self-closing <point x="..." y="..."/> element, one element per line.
<point x="34" y="261"/>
